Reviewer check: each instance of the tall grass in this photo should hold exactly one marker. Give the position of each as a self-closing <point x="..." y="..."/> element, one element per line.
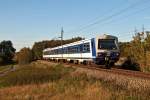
<point x="37" y="81"/>
<point x="2" y="68"/>
<point x="33" y="75"/>
<point x="78" y="87"/>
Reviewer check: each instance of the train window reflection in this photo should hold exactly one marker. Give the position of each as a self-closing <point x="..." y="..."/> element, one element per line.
<point x="108" y="44"/>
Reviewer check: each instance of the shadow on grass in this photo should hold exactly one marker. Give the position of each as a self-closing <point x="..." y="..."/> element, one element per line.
<point x="128" y="63"/>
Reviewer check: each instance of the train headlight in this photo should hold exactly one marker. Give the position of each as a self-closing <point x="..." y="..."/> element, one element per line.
<point x="100" y="54"/>
<point x="117" y="54"/>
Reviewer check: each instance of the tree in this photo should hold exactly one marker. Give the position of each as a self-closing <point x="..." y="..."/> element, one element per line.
<point x="7" y="51"/>
<point x="25" y="56"/>
<point x="147" y="40"/>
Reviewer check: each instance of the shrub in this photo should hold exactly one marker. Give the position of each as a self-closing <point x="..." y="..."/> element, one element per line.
<point x="131" y="64"/>
<point x="25" y="56"/>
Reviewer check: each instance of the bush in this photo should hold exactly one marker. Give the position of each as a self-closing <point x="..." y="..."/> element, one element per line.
<point x="131" y="64"/>
<point x="25" y="56"/>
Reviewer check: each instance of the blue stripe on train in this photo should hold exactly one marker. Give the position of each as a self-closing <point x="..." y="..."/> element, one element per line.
<point x="93" y="47"/>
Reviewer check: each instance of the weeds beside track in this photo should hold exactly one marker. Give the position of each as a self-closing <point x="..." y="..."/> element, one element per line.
<point x="129" y="73"/>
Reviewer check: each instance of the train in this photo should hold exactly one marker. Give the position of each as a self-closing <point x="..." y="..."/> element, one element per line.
<point x="100" y="50"/>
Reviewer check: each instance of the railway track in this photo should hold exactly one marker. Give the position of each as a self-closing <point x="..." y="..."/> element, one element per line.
<point x="113" y="70"/>
<point x="123" y="72"/>
<point x="129" y="73"/>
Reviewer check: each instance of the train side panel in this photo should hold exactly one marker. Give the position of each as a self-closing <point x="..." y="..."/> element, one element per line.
<point x="78" y="55"/>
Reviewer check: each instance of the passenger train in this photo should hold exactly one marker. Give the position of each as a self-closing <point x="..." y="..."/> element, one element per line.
<point x="101" y="50"/>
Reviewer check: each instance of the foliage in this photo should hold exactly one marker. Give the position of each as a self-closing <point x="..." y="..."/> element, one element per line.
<point x="7" y="51"/>
<point x="25" y="56"/>
<point x="137" y="49"/>
<point x="130" y="64"/>
<point x="38" y="47"/>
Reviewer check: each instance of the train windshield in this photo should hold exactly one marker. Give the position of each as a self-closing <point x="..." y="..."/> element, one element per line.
<point x="108" y="44"/>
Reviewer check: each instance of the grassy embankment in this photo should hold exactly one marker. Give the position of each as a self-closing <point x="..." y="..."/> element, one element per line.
<point x="2" y="68"/>
<point x="40" y="81"/>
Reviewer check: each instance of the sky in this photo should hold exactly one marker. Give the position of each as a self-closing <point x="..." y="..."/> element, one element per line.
<point x="27" y="21"/>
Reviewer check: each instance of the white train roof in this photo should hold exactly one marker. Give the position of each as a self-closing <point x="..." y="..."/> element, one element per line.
<point x="70" y="44"/>
<point x="104" y="36"/>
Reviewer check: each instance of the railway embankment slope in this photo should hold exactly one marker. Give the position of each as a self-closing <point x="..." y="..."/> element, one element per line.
<point x="47" y="80"/>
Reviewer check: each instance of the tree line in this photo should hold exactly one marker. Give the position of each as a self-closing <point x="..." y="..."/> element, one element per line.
<point x="138" y="50"/>
<point x="26" y="55"/>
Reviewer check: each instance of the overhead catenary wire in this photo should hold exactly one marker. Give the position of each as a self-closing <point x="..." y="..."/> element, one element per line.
<point x="129" y="15"/>
<point x="125" y="17"/>
<point x="104" y="20"/>
<point x="111" y="16"/>
<point x="101" y="16"/>
<point x="144" y="29"/>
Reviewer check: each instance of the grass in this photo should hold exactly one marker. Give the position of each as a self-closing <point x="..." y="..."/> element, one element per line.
<point x="40" y="81"/>
<point x="146" y="69"/>
<point x="2" y="68"/>
<point x="33" y="75"/>
<point x="70" y="88"/>
<point x="76" y="88"/>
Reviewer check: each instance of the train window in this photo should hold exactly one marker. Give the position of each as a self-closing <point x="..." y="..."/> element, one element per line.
<point x="68" y="49"/>
<point x="52" y="52"/>
<point x="86" y="47"/>
<point x="62" y="51"/>
<point x="107" y="44"/>
<point x="55" y="51"/>
<point x="81" y="48"/>
<point x="76" y="49"/>
<point x="72" y="49"/>
<point x="59" y="51"/>
<point x="65" y="50"/>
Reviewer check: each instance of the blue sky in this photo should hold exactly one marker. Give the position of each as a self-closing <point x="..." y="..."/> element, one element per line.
<point x="27" y="21"/>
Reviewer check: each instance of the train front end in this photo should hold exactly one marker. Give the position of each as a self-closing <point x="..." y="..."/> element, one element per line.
<point x="107" y="50"/>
